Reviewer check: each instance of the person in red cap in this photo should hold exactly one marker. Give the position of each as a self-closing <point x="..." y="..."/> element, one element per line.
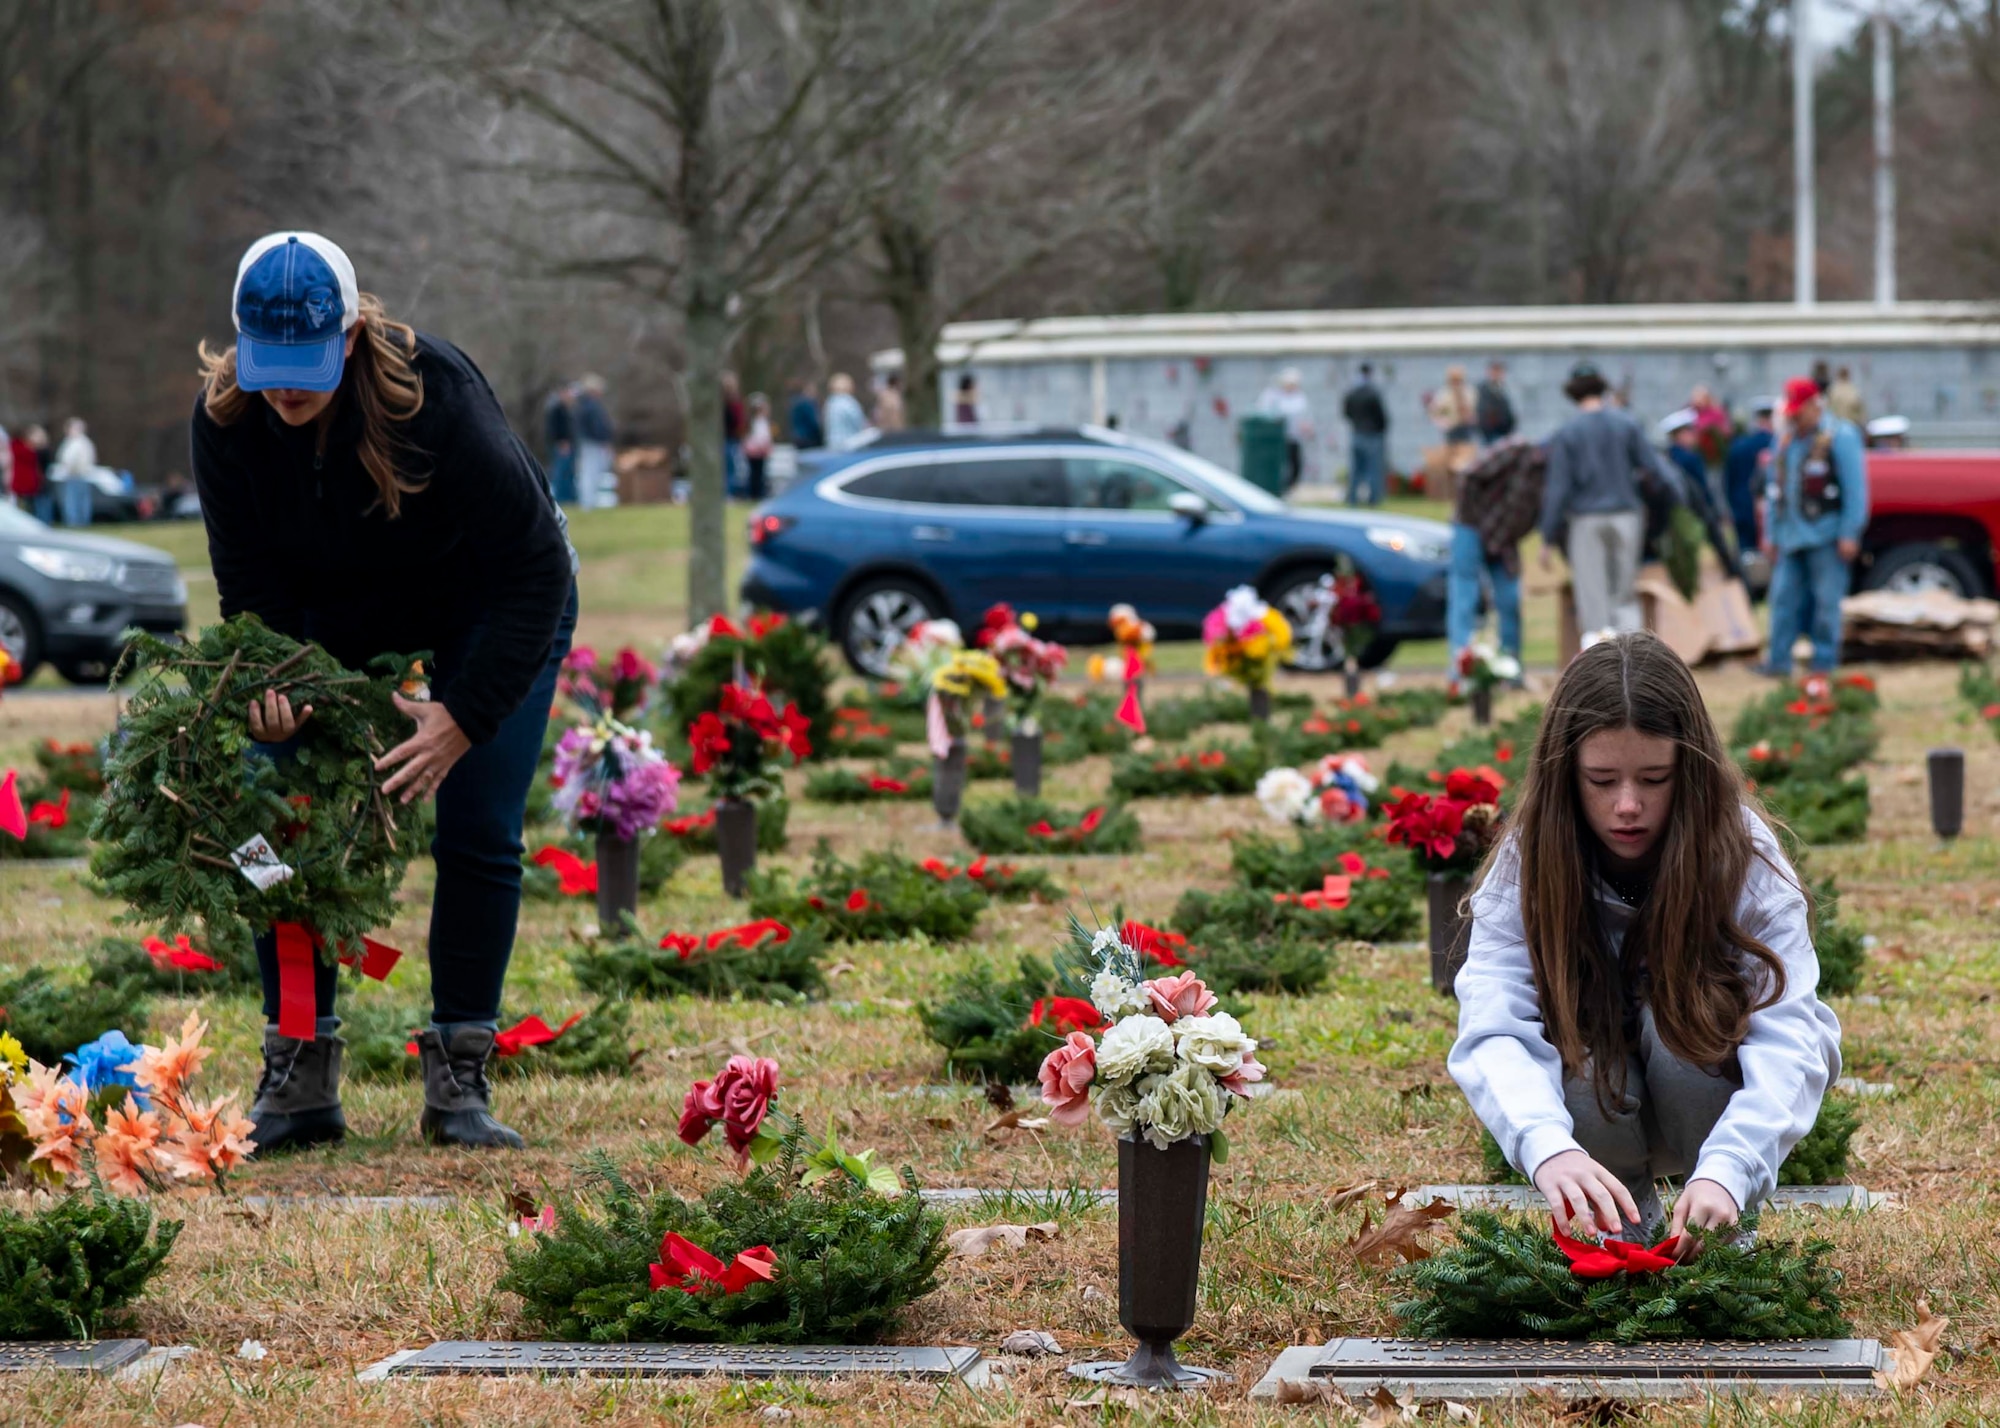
<point x="1815" y="508"/>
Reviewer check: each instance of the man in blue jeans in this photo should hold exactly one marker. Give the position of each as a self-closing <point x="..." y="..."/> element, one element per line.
<point x="1816" y="506"/>
<point x="1499" y="501"/>
<point x="1368" y="451"/>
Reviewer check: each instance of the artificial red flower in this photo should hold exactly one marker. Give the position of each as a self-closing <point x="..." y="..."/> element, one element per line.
<point x="700" y="1110"/>
<point x="1609" y="1257"/>
<point x="708" y="741"/>
<point x="56" y="814"/>
<point x="816" y="903"/>
<point x="1472" y="786"/>
<point x="724" y="627"/>
<point x="941" y="870"/>
<point x="1504" y="754"/>
<point x="1353" y="726"/>
<point x="762" y="625"/>
<point x="977" y="868"/>
<point x="1162" y="947"/>
<point x="1214" y="759"/>
<point x="1068" y="1013"/>
<point x="574" y="876"/>
<point x="857" y="901"/>
<point x="1797" y="706"/>
<point x="181" y="956"/>
<point x="743" y="1093"/>
<point x="1315" y="725"/>
<point x="998" y="617"/>
<point x="688" y="1267"/>
<point x="1041" y="828"/>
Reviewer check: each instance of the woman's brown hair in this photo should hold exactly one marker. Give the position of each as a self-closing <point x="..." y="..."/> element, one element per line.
<point x="1705" y="974"/>
<point x="380" y="380"/>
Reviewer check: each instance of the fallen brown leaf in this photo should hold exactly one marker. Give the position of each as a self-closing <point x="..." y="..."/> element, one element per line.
<point x="974" y="1241"/>
<point x="1305" y="1390"/>
<point x="520" y="1204"/>
<point x="1396" y="1237"/>
<point x="1345" y="1195"/>
<point x="1020" y="1118"/>
<point x="1912" y="1350"/>
<point x="940" y="1122"/>
<point x="1381" y="1408"/>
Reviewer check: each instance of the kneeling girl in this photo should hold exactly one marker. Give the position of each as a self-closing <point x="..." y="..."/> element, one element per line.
<point x="1638" y="996"/>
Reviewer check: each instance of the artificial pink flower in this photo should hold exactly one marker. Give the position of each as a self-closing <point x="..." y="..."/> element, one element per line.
<point x="1066" y="1076"/>
<point x="743" y="1092"/>
<point x="699" y="1112"/>
<point x="1181" y="995"/>
<point x="1238" y="1081"/>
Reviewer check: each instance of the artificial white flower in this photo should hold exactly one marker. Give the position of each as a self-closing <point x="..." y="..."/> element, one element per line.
<point x="1185" y="1103"/>
<point x="1287" y="796"/>
<point x="1134" y="1046"/>
<point x="1105" y="940"/>
<point x="1242" y="608"/>
<point x="1215" y="1043"/>
<point x="1117" y="1107"/>
<point x="1504" y="667"/>
<point x="1116" y="996"/>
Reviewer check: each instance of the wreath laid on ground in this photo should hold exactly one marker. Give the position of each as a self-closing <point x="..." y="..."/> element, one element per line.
<point x="176" y="967"/>
<point x="1504" y="748"/>
<point x="1028" y="825"/>
<point x="552" y="873"/>
<point x="56" y="803"/>
<point x="1358" y="904"/>
<point x="898" y="781"/>
<point x="855" y="732"/>
<point x="996" y="1028"/>
<point x="1509" y="1277"/>
<point x="1224" y="768"/>
<point x="1840" y="944"/>
<point x="778" y="655"/>
<point x="199" y="824"/>
<point x="883" y="896"/>
<point x="51" y="1018"/>
<point x="380" y="1036"/>
<point x="1820" y="1157"/>
<point x="1081" y="724"/>
<point x="1003" y="882"/>
<point x="763" y="960"/>
<point x="66" y="1267"/>
<point x="1310" y="856"/>
<point x="1363" y="722"/>
<point x="1796" y="746"/>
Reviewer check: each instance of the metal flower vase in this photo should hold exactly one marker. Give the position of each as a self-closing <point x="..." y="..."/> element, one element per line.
<point x="736" y="842"/>
<point x="1350" y="677"/>
<point x="948" y="782"/>
<point x="993" y="719"/>
<point x="1260" y="704"/>
<point x="1027" y="762"/>
<point x="1162" y="1200"/>
<point x="1947" y="778"/>
<point x="617" y="883"/>
<point x="1482" y="706"/>
<point x="1451" y="928"/>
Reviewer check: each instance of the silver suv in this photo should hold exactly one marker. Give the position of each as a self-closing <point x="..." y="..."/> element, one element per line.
<point x="67" y="597"/>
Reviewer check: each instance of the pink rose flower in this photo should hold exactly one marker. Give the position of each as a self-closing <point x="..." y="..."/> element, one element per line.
<point x="1238" y="1083"/>
<point x="699" y="1112"/>
<point x="1066" y="1076"/>
<point x="1175" y="997"/>
<point x="744" y="1091"/>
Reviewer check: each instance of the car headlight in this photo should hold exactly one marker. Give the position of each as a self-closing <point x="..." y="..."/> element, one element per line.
<point x="60" y="564"/>
<point x="1408" y="543"/>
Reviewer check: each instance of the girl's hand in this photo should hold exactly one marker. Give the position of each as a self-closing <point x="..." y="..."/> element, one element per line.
<point x="271" y="718"/>
<point x="1704" y="1205"/>
<point x="1575" y="1184"/>
<point x="428" y="754"/>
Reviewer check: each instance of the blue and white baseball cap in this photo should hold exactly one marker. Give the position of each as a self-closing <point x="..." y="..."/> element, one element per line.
<point x="295" y="300"/>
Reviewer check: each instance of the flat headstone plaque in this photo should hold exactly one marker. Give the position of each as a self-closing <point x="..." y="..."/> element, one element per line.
<point x="70" y="1355"/>
<point x="1430" y="1368"/>
<point x="691" y="1361"/>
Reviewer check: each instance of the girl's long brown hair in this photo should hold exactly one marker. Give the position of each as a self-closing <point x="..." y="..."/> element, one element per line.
<point x="380" y="380"/>
<point x="1705" y="973"/>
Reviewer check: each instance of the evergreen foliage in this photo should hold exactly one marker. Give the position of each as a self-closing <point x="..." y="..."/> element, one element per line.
<point x="843" y="785"/>
<point x="1305" y="859"/>
<point x="782" y="656"/>
<point x="981" y="1021"/>
<point x="186" y="785"/>
<point x="1363" y="722"/>
<point x="120" y="959"/>
<point x="1220" y="768"/>
<point x="65" y="1267"/>
<point x="849" y="1260"/>
<point x="695" y="832"/>
<point x="1378" y="910"/>
<point x="378" y="1032"/>
<point x="767" y="970"/>
<point x="1506" y="1278"/>
<point x="1085" y="724"/>
<point x="884" y="895"/>
<point x="1820" y="1157"/>
<point x="1289" y="962"/>
<point x="1837" y="941"/>
<point x="1831" y="810"/>
<point x="1009" y="826"/>
<point x="51" y="1019"/>
<point x="1505" y="747"/>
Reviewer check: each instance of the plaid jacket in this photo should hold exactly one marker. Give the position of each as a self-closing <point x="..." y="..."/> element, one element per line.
<point x="1501" y="498"/>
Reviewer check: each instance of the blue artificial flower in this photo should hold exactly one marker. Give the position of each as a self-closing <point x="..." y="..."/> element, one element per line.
<point x="103" y="1063"/>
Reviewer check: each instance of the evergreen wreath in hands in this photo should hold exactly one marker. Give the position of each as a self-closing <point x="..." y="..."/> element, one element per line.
<point x="194" y="809"/>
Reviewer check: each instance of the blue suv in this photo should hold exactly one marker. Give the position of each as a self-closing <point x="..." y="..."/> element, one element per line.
<point x="1067" y="523"/>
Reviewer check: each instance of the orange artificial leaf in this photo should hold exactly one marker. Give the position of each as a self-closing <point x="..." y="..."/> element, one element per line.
<point x="1396" y="1237"/>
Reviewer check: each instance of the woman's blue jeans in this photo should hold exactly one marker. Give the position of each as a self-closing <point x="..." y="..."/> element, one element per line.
<point x="1469" y="566"/>
<point x="481" y="806"/>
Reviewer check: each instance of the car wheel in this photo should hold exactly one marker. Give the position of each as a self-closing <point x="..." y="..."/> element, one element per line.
<point x="87" y="672"/>
<point x="20" y="635"/>
<point x="1317" y="647"/>
<point x="1924" y="566"/>
<point x="879" y="617"/>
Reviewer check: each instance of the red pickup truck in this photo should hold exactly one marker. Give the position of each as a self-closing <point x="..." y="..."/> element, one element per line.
<point x="1933" y="523"/>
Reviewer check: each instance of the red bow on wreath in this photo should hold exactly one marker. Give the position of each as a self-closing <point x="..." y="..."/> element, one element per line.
<point x="1609" y="1257"/>
<point x="689" y="1267"/>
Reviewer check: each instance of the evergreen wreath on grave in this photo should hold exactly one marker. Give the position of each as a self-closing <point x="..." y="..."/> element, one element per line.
<point x="552" y="873"/>
<point x="176" y="967"/>
<point x="48" y="817"/>
<point x="51" y="1018"/>
<point x="1029" y="825"/>
<point x="897" y="781"/>
<point x="855" y="732"/>
<point x="1313" y="853"/>
<point x="1508" y="1277"/>
<point x="1358" y="902"/>
<point x="380" y="1036"/>
<point x="885" y="895"/>
<point x="1504" y="748"/>
<point x="1077" y="725"/>
<point x="1003" y="882"/>
<point x="998" y="1028"/>
<point x="1221" y="768"/>
<point x="816" y="1245"/>
<point x="1362" y="722"/>
<point x="764" y="960"/>
<point x="781" y="656"/>
<point x="192" y="812"/>
<point x="1795" y="746"/>
<point x="1839" y="943"/>
<point x="65" y="1268"/>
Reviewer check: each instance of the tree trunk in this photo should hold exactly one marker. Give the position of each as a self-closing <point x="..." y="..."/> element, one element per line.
<point x="707" y="348"/>
<point x="909" y="258"/>
<point x="696" y="59"/>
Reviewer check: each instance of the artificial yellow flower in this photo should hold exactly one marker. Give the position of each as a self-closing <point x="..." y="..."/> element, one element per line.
<point x="13" y="1059"/>
<point x="967" y="671"/>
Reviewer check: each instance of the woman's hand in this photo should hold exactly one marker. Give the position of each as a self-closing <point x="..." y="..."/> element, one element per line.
<point x="1704" y="1205"/>
<point x="427" y="755"/>
<point x="271" y="718"/>
<point x="1575" y="1184"/>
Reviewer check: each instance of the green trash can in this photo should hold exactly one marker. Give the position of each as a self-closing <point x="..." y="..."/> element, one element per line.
<point x="1261" y="442"/>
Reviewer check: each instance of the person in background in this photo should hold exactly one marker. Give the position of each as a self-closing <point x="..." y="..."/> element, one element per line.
<point x="596" y="482"/>
<point x="1712" y="425"/>
<point x="845" y="420"/>
<point x="1742" y="471"/>
<point x="1286" y="399"/>
<point x="757" y="444"/>
<point x="1368" y="439"/>
<point x="1816" y="506"/>
<point x="76" y="458"/>
<point x="1592" y="496"/>
<point x="45" y="464"/>
<point x="1494" y="407"/>
<point x="7" y="468"/>
<point x="889" y="411"/>
<point x="1683" y="436"/>
<point x="1843" y="399"/>
<point x="1888" y="433"/>
<point x="1499" y="501"/>
<point x="1822" y="378"/>
<point x="802" y="416"/>
<point x="1454" y="410"/>
<point x="965" y="411"/>
<point x="735" y="472"/>
<point x="559" y="433"/>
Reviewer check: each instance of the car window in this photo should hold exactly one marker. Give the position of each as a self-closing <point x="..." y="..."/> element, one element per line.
<point x="1110" y="483"/>
<point x="990" y="481"/>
